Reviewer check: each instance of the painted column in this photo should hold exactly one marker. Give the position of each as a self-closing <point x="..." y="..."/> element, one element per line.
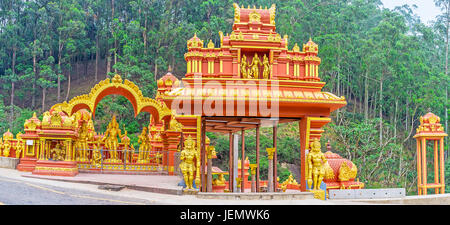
<point x="230" y="163"/>
<point x="243" y="161"/>
<point x="202" y="156"/>
<point x="253" y="171"/>
<point x="419" y="174"/>
<point x="442" y="165"/>
<point x="257" y="158"/>
<point x="270" y="178"/>
<point x="209" y="170"/>
<point x="436" y="166"/>
<point x="235" y="161"/>
<point x="424" y="165"/>
<point x="275" y="157"/>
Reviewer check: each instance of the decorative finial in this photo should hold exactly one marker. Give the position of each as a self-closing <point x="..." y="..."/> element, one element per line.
<point x="429" y="109"/>
<point x="169" y="69"/>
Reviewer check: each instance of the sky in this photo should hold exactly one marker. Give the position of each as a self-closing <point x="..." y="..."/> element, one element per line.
<point x="426" y="9"/>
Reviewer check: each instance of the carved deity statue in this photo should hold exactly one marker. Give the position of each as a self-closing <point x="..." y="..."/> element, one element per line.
<point x="82" y="144"/>
<point x="143" y="142"/>
<point x="19" y="145"/>
<point x="6" y="145"/>
<point x="96" y="154"/>
<point x="111" y="141"/>
<point x="46" y="118"/>
<point x="127" y="151"/>
<point x="316" y="165"/>
<point x="220" y="181"/>
<point x="175" y="125"/>
<point x="58" y="152"/>
<point x="244" y="65"/>
<point x="266" y="65"/>
<point x="254" y="67"/>
<point x="187" y="166"/>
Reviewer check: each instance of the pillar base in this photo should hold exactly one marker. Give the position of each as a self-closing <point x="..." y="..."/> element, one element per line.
<point x="318" y="194"/>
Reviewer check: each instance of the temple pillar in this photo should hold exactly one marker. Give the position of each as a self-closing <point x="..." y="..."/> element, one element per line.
<point x="202" y="155"/>
<point x="253" y="171"/>
<point x="210" y="151"/>
<point x="173" y="140"/>
<point x="243" y="161"/>
<point x="230" y="166"/>
<point x="270" y="178"/>
<point x="310" y="128"/>
<point x="235" y="162"/>
<point x="275" y="131"/>
<point x="257" y="158"/>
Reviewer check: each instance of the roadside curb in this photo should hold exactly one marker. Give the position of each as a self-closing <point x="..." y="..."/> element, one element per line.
<point x="158" y="190"/>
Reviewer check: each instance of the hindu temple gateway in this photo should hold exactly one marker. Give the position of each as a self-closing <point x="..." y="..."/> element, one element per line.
<point x="252" y="79"/>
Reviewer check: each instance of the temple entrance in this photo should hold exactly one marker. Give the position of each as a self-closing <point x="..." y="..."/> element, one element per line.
<point x="66" y="141"/>
<point x="118" y="144"/>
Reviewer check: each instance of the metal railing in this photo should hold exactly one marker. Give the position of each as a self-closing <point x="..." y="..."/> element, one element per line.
<point x="121" y="160"/>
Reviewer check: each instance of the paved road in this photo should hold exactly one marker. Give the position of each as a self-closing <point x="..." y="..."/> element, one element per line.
<point x="16" y="189"/>
<point x="19" y="192"/>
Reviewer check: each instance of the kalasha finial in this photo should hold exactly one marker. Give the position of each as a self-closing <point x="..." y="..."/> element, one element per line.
<point x="429" y="109"/>
<point x="169" y="69"/>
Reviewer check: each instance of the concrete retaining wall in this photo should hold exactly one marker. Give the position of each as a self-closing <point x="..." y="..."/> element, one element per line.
<point x="433" y="199"/>
<point x="384" y="193"/>
<point x="10" y="163"/>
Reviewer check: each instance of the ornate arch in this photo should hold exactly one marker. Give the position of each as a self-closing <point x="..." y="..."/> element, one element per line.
<point x="116" y="85"/>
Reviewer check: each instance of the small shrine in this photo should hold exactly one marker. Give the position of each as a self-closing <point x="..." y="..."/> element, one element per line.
<point x="430" y="131"/>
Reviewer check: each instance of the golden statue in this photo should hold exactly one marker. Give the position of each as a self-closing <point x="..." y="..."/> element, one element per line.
<point x="244" y="65"/>
<point x="220" y="181"/>
<point x="55" y="119"/>
<point x="96" y="154"/>
<point x="6" y="145"/>
<point x="82" y="143"/>
<point x="111" y="141"/>
<point x="91" y="130"/>
<point x="19" y="145"/>
<point x="69" y="121"/>
<point x="254" y="67"/>
<point x="143" y="146"/>
<point x="187" y="165"/>
<point x="159" y="158"/>
<point x="127" y="151"/>
<point x="46" y="119"/>
<point x="266" y="71"/>
<point x="316" y="165"/>
<point x="58" y="153"/>
<point x="175" y="125"/>
<point x="291" y="180"/>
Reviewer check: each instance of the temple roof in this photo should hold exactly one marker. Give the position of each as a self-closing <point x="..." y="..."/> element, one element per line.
<point x="430" y="126"/>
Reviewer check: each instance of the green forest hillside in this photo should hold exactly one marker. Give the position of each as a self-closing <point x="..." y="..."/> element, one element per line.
<point x="389" y="65"/>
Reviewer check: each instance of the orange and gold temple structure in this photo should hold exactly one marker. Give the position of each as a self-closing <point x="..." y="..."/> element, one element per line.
<point x="430" y="131"/>
<point x="252" y="79"/>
